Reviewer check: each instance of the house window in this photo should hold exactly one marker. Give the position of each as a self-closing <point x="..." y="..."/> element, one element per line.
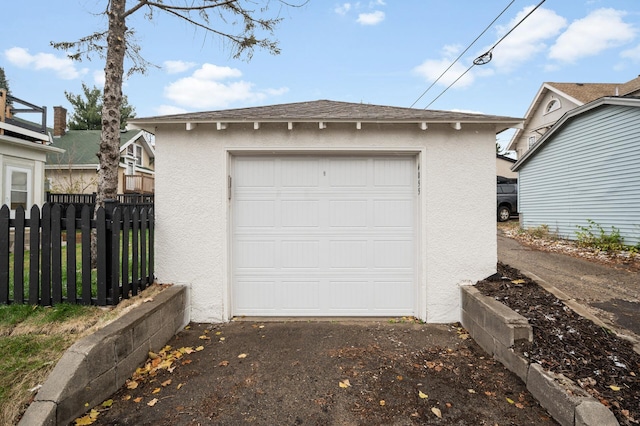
<point x="18" y="187"/>
<point x="531" y="142"/>
<point x="553" y="105"/>
<point x="135" y="151"/>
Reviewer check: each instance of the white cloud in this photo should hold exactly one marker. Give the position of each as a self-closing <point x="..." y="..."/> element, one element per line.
<point x="176" y="67"/>
<point x="431" y="69"/>
<point x="169" y="110"/>
<point x="214" y="72"/>
<point x="633" y="54"/>
<point x="99" y="78"/>
<point x="343" y="9"/>
<point x="63" y="67"/>
<point x="204" y="89"/>
<point x="372" y="18"/>
<point x="377" y="3"/>
<point x="528" y="39"/>
<point x="600" y="30"/>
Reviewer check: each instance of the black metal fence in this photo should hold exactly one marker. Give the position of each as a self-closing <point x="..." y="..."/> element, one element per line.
<point x="46" y="258"/>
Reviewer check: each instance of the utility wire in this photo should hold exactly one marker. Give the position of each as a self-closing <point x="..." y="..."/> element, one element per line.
<point x="460" y="56"/>
<point x="486" y="57"/>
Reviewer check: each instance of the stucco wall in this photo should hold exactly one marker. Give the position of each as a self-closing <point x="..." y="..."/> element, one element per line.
<point x="456" y="234"/>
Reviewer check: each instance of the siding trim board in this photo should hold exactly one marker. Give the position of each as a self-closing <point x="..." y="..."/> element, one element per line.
<point x="587" y="167"/>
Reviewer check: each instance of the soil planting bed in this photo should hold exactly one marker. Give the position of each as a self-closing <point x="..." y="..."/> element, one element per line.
<point x="564" y="342"/>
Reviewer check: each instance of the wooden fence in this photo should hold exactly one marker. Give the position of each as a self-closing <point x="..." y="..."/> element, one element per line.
<point x="35" y="271"/>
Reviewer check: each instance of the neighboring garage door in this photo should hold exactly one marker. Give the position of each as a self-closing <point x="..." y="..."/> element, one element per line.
<point x="324" y="236"/>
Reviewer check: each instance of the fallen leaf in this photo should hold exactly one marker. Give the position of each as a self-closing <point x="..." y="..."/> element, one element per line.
<point x="186" y="361"/>
<point x="132" y="384"/>
<point x="242" y="356"/>
<point x="222" y="339"/>
<point x="262" y="326"/>
<point x="138" y="399"/>
<point x="126" y="397"/>
<point x="156" y="390"/>
<point x="223" y="363"/>
<point x="166" y="383"/>
<point x="218" y="333"/>
<point x="448" y="404"/>
<point x="153" y="402"/>
<point x="422" y="395"/>
<point x="437" y="412"/>
<point x="188" y="327"/>
<point x="345" y="383"/>
<point x="179" y="385"/>
<point x="614" y="388"/>
<point x="186" y="350"/>
<point x="519" y="405"/>
<point x="510" y="401"/>
<point x="153" y="355"/>
<point x="471" y="391"/>
<point x="199" y="348"/>
<point x="464" y="336"/>
<point x="206" y="332"/>
<point x="518" y="282"/>
<point x="399" y="378"/>
<point x="203" y="337"/>
<point x="108" y="403"/>
<point x="382" y="403"/>
<point x="83" y="421"/>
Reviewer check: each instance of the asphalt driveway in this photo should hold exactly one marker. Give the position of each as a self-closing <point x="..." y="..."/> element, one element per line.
<point x="324" y="373"/>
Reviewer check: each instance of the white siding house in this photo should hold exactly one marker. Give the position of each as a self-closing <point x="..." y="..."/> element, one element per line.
<point x="587" y="167"/>
<point x="325" y="209"/>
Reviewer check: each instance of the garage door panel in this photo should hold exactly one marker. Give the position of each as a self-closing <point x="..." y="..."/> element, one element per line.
<point x="254" y="295"/>
<point x="393" y="213"/>
<point x="393" y="254"/>
<point x="351" y="213"/>
<point x="300" y="295"/>
<point x="255" y="173"/>
<point x="348" y="173"/>
<point x="255" y="254"/>
<point x="348" y="254"/>
<point x="393" y="295"/>
<point x="300" y="213"/>
<point x="329" y="237"/>
<point x="256" y="213"/>
<point x="299" y="173"/>
<point x="300" y="254"/>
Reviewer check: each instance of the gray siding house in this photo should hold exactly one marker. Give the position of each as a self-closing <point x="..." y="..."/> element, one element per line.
<point x="586" y="167"/>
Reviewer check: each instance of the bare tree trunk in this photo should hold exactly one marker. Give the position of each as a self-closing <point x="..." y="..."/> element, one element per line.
<point x="109" y="153"/>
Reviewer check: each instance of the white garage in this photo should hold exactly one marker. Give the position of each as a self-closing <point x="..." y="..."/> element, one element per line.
<point x="325" y="208"/>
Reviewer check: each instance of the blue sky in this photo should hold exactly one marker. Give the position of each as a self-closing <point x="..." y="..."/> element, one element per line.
<point x="384" y="52"/>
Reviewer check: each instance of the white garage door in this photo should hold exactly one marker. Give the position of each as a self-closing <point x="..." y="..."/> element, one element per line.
<point x="324" y="236"/>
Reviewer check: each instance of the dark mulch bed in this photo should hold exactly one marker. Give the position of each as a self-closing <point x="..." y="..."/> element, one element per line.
<point x="564" y="342"/>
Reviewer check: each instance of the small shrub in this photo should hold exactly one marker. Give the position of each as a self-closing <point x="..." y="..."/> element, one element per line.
<point x="594" y="236"/>
<point x="541" y="232"/>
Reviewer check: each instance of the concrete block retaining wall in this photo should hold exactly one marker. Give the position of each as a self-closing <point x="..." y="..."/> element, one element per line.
<point x="97" y="366"/>
<point x="496" y="328"/>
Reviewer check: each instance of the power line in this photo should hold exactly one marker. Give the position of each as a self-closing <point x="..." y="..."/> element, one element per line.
<point x="460" y="56"/>
<point x="486" y="57"/>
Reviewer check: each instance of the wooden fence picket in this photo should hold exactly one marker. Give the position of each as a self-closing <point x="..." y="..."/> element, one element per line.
<point x="34" y="256"/>
<point x="4" y="255"/>
<point x="18" y="255"/>
<point x="124" y="261"/>
<point x="70" y="227"/>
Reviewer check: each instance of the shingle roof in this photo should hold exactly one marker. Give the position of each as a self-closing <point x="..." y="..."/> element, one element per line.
<point x="325" y="110"/>
<point x="587" y="92"/>
<point x="81" y="146"/>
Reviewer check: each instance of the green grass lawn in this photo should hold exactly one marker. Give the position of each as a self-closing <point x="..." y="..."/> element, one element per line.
<point x="34" y="338"/>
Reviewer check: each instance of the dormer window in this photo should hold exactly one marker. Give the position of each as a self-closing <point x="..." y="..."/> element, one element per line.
<point x="553" y="105"/>
<point x="135" y="151"/>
